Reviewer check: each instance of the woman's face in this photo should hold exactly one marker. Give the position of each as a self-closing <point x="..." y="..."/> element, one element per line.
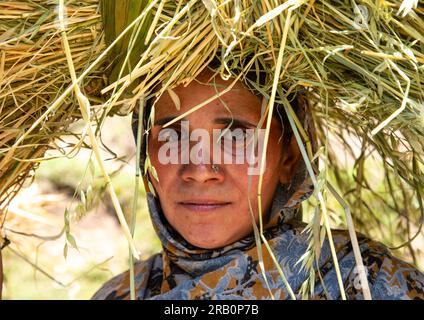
<point x="210" y="208"/>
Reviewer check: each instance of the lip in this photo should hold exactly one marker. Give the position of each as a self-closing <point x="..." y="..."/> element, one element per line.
<point x="203" y="205"/>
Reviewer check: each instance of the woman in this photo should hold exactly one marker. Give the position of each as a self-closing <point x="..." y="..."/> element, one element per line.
<point x="201" y="213"/>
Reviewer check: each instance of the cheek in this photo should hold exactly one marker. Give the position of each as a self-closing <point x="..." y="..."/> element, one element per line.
<point x="165" y="172"/>
<point x="270" y="178"/>
<point x="274" y="153"/>
<point x="237" y="175"/>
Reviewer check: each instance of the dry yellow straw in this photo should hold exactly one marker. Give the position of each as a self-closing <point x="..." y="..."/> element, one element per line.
<point x="85" y="111"/>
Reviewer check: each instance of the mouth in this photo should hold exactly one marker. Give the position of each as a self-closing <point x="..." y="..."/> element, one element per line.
<point x="203" y="205"/>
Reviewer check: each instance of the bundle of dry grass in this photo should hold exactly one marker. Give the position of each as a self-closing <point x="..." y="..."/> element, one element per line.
<point x="34" y="73"/>
<point x="360" y="63"/>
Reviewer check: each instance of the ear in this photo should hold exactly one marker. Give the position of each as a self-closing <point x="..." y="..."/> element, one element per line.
<point x="289" y="161"/>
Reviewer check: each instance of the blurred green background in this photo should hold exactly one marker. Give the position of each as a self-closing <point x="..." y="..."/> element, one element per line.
<point x="36" y="268"/>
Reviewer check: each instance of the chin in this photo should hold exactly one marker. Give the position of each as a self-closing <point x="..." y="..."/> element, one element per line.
<point x="212" y="236"/>
<point x="212" y="242"/>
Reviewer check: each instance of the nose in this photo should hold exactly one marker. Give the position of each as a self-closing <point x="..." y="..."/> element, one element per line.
<point x="199" y="168"/>
<point x="201" y="173"/>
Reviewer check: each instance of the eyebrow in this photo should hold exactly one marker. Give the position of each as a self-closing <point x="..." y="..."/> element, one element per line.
<point x="234" y="121"/>
<point x="165" y="120"/>
<point x="222" y="120"/>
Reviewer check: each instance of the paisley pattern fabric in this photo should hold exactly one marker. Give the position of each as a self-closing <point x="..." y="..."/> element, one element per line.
<point x="182" y="271"/>
<point x="233" y="272"/>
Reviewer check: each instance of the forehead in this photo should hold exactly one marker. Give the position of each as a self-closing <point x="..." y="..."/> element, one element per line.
<point x="239" y="101"/>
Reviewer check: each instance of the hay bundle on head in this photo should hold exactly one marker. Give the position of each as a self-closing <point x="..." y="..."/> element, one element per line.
<point x="359" y="63"/>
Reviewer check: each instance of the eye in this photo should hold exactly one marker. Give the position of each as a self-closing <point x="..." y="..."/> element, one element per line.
<point x="239" y="134"/>
<point x="169" y="135"/>
<point x="234" y="141"/>
<point x="236" y="135"/>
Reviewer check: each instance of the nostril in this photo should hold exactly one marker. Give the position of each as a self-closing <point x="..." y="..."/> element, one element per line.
<point x="201" y="172"/>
